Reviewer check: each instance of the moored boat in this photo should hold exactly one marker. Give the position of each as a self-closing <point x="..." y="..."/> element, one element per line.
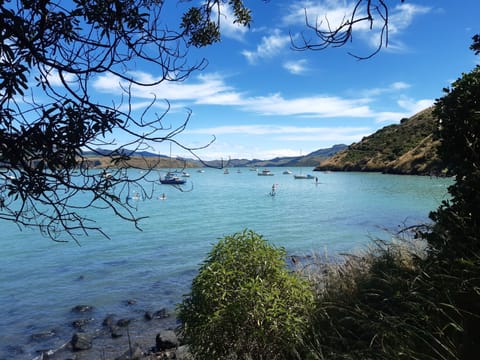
<point x="172" y="179"/>
<point x="301" y="176"/>
<point x="265" y="172"/>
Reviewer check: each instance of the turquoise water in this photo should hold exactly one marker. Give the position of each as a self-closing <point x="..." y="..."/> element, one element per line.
<point x="40" y="281"/>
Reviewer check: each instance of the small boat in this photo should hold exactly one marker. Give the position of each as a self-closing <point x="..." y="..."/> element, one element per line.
<point x="200" y="171"/>
<point x="301" y="176"/>
<point x="265" y="172"/>
<point x="226" y="171"/>
<point x="172" y="179"/>
<point x="287" y="172"/>
<point x="185" y="174"/>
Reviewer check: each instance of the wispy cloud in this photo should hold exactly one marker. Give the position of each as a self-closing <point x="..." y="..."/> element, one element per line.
<point x="391" y="88"/>
<point x="414" y="106"/>
<point x="330" y="14"/>
<point x="212" y="89"/>
<point x="287" y="133"/>
<point x="296" y="67"/>
<point x="269" y="47"/>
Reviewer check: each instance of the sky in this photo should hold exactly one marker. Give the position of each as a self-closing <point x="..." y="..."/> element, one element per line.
<point x="262" y="99"/>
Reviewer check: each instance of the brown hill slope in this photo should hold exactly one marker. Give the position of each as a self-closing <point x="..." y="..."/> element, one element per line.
<point x="406" y="148"/>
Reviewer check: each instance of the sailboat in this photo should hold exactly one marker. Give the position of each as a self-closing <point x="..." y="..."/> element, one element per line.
<point x="301" y="175"/>
<point x="171" y="178"/>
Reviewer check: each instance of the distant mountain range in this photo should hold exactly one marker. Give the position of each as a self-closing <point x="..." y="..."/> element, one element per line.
<point x="407" y="148"/>
<point x="312" y="159"/>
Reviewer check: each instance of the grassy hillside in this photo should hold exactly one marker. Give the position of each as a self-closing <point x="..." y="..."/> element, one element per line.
<point x="140" y="162"/>
<point x="406" y="148"/>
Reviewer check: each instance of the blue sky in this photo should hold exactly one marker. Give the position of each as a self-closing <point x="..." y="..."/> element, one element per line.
<point x="261" y="99"/>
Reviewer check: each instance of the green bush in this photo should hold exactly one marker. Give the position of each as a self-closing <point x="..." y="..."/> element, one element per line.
<point x="383" y="305"/>
<point x="244" y="303"/>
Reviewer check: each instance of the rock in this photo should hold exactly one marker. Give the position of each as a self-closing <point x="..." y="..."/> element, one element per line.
<point x="80" y="323"/>
<point x="82" y="308"/>
<point x="123" y="322"/>
<point x="148" y="315"/>
<point x="131" y="354"/>
<point x="160" y="314"/>
<point x="166" y="339"/>
<point x="131" y="302"/>
<point x="108" y="321"/>
<point x="81" y="341"/>
<point x="115" y="331"/>
<point x="183" y="353"/>
<point x="42" y="335"/>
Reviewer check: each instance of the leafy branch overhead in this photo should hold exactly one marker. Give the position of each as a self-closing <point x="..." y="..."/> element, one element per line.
<point x="51" y="54"/>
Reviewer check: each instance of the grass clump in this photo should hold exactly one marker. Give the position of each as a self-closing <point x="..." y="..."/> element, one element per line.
<point x="245" y="304"/>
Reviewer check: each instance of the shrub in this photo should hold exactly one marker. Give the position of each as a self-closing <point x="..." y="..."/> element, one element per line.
<point x="382" y="305"/>
<point x="244" y="303"/>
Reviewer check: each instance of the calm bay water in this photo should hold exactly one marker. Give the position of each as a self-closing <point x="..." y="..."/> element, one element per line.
<point x="40" y="281"/>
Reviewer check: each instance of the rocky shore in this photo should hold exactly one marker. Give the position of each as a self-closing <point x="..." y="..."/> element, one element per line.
<point x="145" y="335"/>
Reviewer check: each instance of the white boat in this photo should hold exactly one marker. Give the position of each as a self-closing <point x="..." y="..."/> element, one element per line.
<point x="172" y="179"/>
<point x="301" y="176"/>
<point x="185" y="174"/>
<point x="287" y="172"/>
<point x="265" y="172"/>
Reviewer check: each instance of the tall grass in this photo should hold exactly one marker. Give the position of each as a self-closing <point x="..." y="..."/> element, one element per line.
<point x="391" y="302"/>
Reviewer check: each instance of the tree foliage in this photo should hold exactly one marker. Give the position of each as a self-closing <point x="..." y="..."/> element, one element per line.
<point x="51" y="53"/>
<point x="244" y="303"/>
<point x="457" y="222"/>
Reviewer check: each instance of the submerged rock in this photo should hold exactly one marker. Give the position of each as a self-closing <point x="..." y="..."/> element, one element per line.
<point x="42" y="335"/>
<point x="81" y="341"/>
<point x="108" y="321"/>
<point x="160" y="314"/>
<point x="82" y="308"/>
<point x="124" y="322"/>
<point x="80" y="323"/>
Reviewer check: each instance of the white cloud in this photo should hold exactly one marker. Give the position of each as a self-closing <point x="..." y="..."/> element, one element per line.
<point x="403" y="15"/>
<point x="312" y="106"/>
<point x="326" y="14"/>
<point x="211" y="89"/>
<point x="414" y="106"/>
<point x="296" y="67"/>
<point x="287" y="133"/>
<point x="227" y="27"/>
<point x="330" y="14"/>
<point x="269" y="47"/>
<point x="391" y="88"/>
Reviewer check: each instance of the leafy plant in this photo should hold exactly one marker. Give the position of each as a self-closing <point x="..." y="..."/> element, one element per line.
<point x="244" y="302"/>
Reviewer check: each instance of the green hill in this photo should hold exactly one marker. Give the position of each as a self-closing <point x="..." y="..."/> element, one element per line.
<point x="405" y="148"/>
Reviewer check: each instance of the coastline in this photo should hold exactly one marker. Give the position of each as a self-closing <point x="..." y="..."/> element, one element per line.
<point x="108" y="339"/>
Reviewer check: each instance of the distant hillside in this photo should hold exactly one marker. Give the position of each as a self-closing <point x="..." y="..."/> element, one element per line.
<point x="312" y="159"/>
<point x="406" y="148"/>
<point x="100" y="159"/>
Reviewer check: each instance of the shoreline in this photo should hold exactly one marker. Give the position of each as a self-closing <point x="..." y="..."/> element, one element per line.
<point x="110" y="338"/>
<point x="102" y="336"/>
